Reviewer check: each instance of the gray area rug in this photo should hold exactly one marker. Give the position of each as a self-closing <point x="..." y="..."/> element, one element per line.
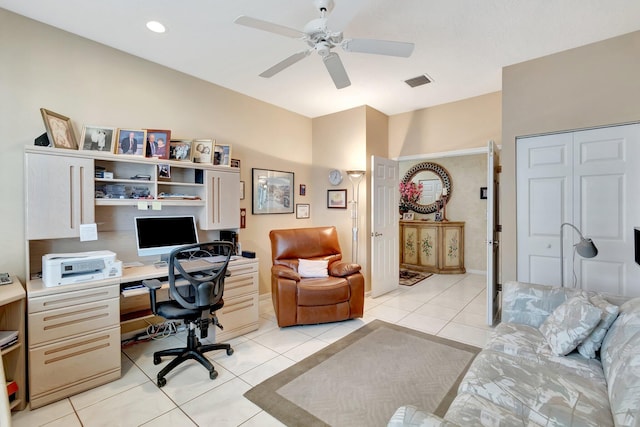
<point x="364" y="377"/>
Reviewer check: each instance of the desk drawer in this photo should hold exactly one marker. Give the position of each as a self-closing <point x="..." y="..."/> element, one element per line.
<point x="55" y="324"/>
<point x="67" y="299"/>
<point x="62" y="365"/>
<point x="238" y="312"/>
<point x="241" y="284"/>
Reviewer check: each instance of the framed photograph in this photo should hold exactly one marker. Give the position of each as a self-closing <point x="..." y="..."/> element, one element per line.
<point x="337" y="199"/>
<point x="302" y="210"/>
<point x="241" y="190"/>
<point x="131" y="141"/>
<point x="202" y="150"/>
<point x="235" y="163"/>
<point x="158" y="143"/>
<point x="164" y="171"/>
<point x="303" y="189"/>
<point x="272" y="192"/>
<point x="483" y="192"/>
<point x="180" y="149"/>
<point x="59" y="130"/>
<point x="97" y="138"/>
<point x="407" y="216"/>
<point x="222" y="155"/>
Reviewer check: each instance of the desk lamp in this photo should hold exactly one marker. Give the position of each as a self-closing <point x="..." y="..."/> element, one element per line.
<point x="355" y="176"/>
<point x="585" y="248"/>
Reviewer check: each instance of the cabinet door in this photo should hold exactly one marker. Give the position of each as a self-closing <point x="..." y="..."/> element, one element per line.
<point x="428" y="247"/>
<point x="453" y="248"/>
<point x="409" y="245"/>
<point x="222" y="201"/>
<point x="59" y="195"/>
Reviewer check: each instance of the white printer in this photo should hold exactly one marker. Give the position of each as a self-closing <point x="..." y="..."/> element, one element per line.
<point x="65" y="269"/>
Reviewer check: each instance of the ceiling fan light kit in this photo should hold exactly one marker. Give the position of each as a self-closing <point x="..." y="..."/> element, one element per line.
<point x="320" y="39"/>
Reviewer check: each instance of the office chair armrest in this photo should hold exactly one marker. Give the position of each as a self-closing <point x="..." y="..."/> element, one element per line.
<point x="153" y="285"/>
<point x="343" y="269"/>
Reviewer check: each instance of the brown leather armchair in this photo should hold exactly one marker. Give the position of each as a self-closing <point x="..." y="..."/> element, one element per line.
<point x="300" y="300"/>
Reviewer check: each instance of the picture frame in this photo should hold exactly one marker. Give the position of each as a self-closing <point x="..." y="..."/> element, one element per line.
<point x="59" y="130"/>
<point x="337" y="199"/>
<point x="97" y="138"/>
<point x="241" y="190"/>
<point x="235" y="163"/>
<point x="158" y="143"/>
<point x="164" y="171"/>
<point x="222" y="154"/>
<point x="131" y="142"/>
<point x="202" y="151"/>
<point x="180" y="150"/>
<point x="483" y="192"/>
<point x="272" y="191"/>
<point x="303" y="210"/>
<point x="303" y="189"/>
<point x="408" y="216"/>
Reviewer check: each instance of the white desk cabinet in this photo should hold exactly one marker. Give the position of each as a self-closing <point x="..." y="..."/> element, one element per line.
<point x="74" y="338"/>
<point x="59" y="195"/>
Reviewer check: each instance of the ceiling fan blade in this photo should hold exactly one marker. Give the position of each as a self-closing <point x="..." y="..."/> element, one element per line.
<point x="259" y="24"/>
<point x="336" y="70"/>
<point x="285" y="63"/>
<point x="379" y="47"/>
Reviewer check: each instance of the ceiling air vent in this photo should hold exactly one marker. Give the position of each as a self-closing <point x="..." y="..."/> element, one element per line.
<point x="418" y="81"/>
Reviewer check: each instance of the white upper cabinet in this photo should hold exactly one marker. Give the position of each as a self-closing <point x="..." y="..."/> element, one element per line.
<point x="222" y="201"/>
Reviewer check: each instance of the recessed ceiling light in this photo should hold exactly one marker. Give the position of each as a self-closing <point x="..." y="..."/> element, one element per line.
<point x="156" y="27"/>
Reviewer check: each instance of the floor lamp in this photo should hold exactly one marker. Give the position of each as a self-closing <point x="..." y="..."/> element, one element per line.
<point x="585" y="248"/>
<point x="355" y="177"/>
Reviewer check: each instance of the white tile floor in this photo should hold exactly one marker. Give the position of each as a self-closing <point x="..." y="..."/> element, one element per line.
<point x="451" y="306"/>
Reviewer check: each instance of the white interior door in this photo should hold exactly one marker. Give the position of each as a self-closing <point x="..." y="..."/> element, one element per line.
<point x="385" y="262"/>
<point x="493" y="181"/>
<point x="589" y="179"/>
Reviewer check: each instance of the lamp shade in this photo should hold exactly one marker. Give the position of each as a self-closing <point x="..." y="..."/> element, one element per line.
<point x="586" y="248"/>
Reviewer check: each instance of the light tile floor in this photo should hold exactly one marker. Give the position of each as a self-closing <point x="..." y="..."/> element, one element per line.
<point x="451" y="306"/>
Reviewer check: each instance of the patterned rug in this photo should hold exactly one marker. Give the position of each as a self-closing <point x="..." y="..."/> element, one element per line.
<point x="361" y="379"/>
<point x="410" y="278"/>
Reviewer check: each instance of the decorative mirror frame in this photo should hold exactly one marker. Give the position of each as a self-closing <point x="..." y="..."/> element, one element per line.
<point x="442" y="174"/>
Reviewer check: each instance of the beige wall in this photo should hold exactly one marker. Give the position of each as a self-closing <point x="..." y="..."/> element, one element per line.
<point x="41" y="66"/>
<point x="589" y="86"/>
<point x="460" y="125"/>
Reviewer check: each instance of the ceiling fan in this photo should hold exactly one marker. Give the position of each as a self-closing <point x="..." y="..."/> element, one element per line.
<point x="322" y="40"/>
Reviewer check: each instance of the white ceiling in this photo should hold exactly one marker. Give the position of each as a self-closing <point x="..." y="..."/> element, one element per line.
<point x="461" y="44"/>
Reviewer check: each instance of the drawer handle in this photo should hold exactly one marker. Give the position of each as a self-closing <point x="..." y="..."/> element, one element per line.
<point x="71" y="322"/>
<point x="237" y="307"/>
<point x="238" y="285"/>
<point x="98" y="341"/>
<point x="76" y="312"/>
<point x="78" y="298"/>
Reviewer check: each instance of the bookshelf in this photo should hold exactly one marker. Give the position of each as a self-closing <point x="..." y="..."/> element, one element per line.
<point x="12" y="318"/>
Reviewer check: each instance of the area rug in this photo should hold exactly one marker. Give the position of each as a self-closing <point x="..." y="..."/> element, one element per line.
<point x="410" y="278"/>
<point x="361" y="379"/>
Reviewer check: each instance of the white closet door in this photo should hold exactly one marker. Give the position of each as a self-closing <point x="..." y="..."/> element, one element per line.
<point x="587" y="178"/>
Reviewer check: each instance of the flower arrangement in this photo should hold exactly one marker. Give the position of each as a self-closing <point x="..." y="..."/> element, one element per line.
<point x="410" y="192"/>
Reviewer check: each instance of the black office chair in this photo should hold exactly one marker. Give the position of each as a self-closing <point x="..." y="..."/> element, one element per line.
<point x="202" y="292"/>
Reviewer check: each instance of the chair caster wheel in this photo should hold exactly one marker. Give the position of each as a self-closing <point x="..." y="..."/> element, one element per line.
<point x="161" y="382"/>
<point x="229" y="352"/>
<point x="213" y="375"/>
<point x="156" y="360"/>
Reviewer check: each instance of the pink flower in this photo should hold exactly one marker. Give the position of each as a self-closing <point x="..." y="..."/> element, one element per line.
<point x="410" y="192"/>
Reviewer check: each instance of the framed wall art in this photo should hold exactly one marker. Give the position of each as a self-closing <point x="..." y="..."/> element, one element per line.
<point x="131" y="141"/>
<point x="59" y="130"/>
<point x="272" y="191"/>
<point x="303" y="210"/>
<point x="158" y="143"/>
<point x="337" y="199"/>
<point x="202" y="150"/>
<point x="97" y="138"/>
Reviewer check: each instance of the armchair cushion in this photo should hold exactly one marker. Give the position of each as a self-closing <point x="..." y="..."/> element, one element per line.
<point x="343" y="269"/>
<point x="285" y="272"/>
<point x="313" y="268"/>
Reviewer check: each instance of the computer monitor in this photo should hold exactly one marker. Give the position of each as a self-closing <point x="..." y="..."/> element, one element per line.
<point x="159" y="235"/>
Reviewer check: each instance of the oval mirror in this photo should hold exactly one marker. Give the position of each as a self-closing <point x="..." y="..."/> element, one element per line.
<point x="433" y="178"/>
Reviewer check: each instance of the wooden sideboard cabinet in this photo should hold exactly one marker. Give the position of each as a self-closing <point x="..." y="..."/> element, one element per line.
<point x="434" y="247"/>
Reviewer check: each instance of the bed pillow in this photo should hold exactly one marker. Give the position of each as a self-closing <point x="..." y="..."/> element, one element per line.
<point x="313" y="268"/>
<point x="569" y="324"/>
<point x="592" y="343"/>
